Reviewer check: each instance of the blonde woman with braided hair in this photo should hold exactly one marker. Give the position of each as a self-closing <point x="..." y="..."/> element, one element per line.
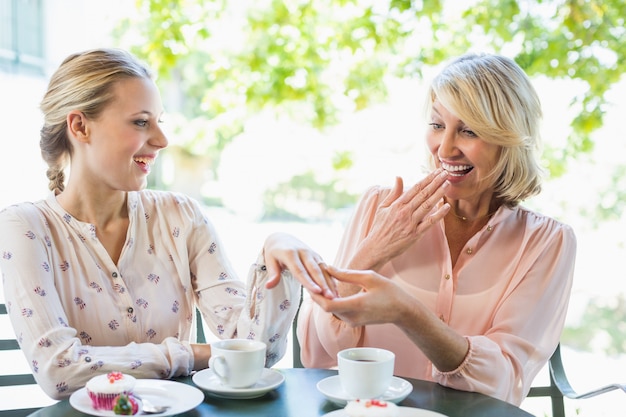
<point x="104" y="275"/>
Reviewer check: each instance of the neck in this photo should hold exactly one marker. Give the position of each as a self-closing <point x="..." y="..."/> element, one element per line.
<point x="481" y="214"/>
<point x="96" y="210"/>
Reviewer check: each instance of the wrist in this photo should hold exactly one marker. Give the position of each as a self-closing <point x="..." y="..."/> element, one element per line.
<point x="201" y="356"/>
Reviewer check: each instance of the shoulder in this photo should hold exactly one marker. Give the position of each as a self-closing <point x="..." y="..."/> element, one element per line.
<point x="166" y="204"/>
<point x="374" y="194"/>
<point x="542" y="226"/>
<point x="27" y="212"/>
<point x="158" y="198"/>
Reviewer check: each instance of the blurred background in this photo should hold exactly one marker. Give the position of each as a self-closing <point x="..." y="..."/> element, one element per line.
<point x="281" y="113"/>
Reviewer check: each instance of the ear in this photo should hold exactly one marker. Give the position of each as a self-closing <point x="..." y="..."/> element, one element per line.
<point x="77" y="126"/>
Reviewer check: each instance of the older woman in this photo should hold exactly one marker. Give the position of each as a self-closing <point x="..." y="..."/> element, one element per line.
<point x="466" y="286"/>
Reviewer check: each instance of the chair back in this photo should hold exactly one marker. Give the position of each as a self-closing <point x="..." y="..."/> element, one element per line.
<point x="297" y="361"/>
<point x="12" y="371"/>
<point x="552" y="391"/>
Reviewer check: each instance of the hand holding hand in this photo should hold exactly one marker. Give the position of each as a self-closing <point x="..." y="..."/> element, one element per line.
<point x="379" y="301"/>
<point x="283" y="251"/>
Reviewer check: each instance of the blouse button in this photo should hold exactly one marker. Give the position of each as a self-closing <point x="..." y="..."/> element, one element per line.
<point x="87" y="358"/>
<point x="469" y="251"/>
<point x="114" y="274"/>
<point x="130" y="310"/>
<point x="489" y="228"/>
<point x="447" y="276"/>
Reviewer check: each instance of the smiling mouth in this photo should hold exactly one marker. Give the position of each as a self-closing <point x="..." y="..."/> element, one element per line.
<point x="457" y="170"/>
<point x="145" y="163"/>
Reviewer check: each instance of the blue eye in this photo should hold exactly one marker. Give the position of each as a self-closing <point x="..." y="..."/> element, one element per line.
<point x="141" y="123"/>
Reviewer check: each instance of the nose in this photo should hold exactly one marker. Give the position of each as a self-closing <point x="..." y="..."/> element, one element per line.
<point x="159" y="139"/>
<point x="447" y="146"/>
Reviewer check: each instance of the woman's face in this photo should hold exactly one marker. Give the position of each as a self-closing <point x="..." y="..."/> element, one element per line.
<point x="125" y="139"/>
<point x="468" y="159"/>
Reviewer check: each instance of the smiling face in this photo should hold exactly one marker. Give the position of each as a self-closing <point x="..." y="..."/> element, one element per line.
<point x="122" y="143"/>
<point x="469" y="160"/>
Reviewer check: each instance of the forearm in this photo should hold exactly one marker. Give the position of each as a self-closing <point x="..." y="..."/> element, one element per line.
<point x="268" y="313"/>
<point x="443" y="346"/>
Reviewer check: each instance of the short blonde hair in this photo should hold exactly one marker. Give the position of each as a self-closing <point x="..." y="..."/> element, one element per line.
<point x="496" y="99"/>
<point x="84" y="82"/>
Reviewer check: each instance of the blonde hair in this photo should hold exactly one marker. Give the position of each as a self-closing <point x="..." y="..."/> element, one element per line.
<point x="84" y="82"/>
<point x="496" y="99"/>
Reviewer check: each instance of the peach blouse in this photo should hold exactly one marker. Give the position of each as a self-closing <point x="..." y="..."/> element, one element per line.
<point x="508" y="294"/>
<point x="77" y="314"/>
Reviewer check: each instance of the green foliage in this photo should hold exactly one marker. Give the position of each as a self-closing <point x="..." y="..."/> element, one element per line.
<point x="612" y="199"/>
<point x="316" y="61"/>
<point x="305" y="194"/>
<point x="602" y="319"/>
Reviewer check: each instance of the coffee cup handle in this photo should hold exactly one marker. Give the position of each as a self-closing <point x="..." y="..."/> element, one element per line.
<point x="219" y="367"/>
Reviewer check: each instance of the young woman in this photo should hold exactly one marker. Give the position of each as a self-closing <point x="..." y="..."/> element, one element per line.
<point x="104" y="275"/>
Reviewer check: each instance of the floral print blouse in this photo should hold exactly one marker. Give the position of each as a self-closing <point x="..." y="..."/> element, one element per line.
<point x="77" y="314"/>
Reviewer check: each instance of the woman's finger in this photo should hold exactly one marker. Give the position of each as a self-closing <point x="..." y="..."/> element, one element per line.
<point x="396" y="192"/>
<point x="432" y="180"/>
<point x="331" y="284"/>
<point x="297" y="270"/>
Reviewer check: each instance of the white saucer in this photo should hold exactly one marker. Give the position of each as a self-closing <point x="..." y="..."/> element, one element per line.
<point x="208" y="381"/>
<point x="332" y="390"/>
<point x="404" y="412"/>
<point x="180" y="397"/>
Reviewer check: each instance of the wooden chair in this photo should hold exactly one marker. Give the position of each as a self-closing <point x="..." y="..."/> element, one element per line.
<point x="560" y="387"/>
<point x="9" y="347"/>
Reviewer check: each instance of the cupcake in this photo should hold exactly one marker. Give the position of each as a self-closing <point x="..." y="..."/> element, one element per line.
<point x="371" y="408"/>
<point x="104" y="389"/>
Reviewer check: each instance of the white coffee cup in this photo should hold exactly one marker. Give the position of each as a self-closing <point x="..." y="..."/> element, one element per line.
<point x="238" y="363"/>
<point x="365" y="372"/>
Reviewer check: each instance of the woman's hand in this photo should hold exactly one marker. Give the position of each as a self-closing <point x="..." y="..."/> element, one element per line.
<point x="379" y="300"/>
<point x="401" y="219"/>
<point x="285" y="252"/>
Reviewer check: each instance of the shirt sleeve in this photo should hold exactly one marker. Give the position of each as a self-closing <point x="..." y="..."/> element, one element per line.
<point x="233" y="308"/>
<point x="61" y="363"/>
<point x="321" y="334"/>
<point x="527" y="324"/>
<point x="269" y="313"/>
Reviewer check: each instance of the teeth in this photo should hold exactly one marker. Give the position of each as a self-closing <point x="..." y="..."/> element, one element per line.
<point x="144" y="160"/>
<point x="455" y="168"/>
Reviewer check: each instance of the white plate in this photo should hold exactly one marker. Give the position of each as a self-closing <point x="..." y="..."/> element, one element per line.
<point x="331" y="388"/>
<point x="208" y="381"/>
<point x="180" y="397"/>
<point x="404" y="412"/>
